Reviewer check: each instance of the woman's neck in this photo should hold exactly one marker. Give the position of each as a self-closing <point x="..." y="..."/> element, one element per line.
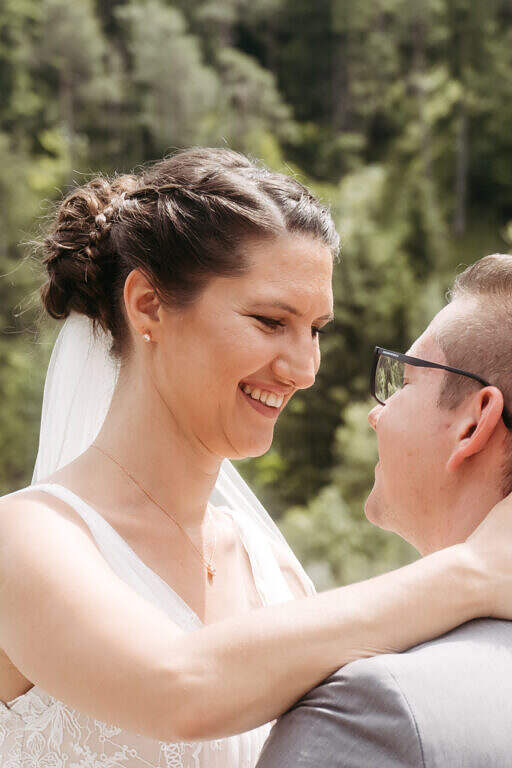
<point x="143" y="435"/>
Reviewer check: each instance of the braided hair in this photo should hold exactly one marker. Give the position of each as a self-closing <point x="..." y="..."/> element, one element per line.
<point x="181" y="221"/>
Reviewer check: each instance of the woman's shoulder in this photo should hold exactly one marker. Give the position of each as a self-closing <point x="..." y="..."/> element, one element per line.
<point x="36" y="504"/>
<point x="27" y="516"/>
<point x="26" y="500"/>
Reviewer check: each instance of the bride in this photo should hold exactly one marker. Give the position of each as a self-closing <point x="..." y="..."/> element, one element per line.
<point x="151" y="612"/>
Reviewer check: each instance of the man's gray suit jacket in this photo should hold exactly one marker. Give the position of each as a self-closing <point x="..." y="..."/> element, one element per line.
<point x="443" y="704"/>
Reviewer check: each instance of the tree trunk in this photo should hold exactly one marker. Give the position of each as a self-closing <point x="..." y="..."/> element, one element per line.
<point x="340" y="86"/>
<point x="419" y="67"/>
<point x="67" y="112"/>
<point x="461" y="171"/>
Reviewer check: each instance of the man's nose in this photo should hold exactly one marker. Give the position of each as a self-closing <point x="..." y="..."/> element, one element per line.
<point x="373" y="416"/>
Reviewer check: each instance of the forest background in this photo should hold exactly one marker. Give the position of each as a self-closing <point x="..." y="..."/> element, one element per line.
<point x="397" y="113"/>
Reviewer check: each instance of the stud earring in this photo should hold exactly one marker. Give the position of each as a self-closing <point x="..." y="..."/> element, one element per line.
<point x="147" y="337"/>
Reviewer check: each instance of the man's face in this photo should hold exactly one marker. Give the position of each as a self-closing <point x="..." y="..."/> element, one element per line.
<point x="415" y="438"/>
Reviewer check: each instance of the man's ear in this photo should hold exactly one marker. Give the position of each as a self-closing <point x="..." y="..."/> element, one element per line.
<point x="479" y="419"/>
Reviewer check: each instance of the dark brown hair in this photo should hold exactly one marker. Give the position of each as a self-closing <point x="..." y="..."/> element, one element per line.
<point x="181" y="221"/>
<point x="479" y="340"/>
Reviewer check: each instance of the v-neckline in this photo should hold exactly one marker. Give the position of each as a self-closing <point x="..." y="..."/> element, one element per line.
<point x="139" y="560"/>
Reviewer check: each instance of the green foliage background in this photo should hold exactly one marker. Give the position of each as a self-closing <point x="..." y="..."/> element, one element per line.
<point x="396" y="112"/>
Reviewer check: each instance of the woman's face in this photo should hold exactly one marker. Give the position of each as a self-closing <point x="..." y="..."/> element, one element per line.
<point x="233" y="335"/>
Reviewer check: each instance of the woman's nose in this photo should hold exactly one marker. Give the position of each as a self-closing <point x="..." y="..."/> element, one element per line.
<point x="301" y="371"/>
<point x="373" y="416"/>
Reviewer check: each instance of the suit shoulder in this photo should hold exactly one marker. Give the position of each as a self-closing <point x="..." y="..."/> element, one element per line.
<point x="451" y="690"/>
<point x="356" y="717"/>
<point x="470" y="639"/>
<point x="470" y="642"/>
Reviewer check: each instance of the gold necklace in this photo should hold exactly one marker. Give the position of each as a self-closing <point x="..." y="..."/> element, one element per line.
<point x="209" y="567"/>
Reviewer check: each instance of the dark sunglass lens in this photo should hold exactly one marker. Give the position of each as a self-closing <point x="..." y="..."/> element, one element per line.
<point x="389" y="377"/>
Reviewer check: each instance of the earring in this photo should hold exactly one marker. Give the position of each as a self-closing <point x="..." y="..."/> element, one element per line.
<point x="147" y="337"/>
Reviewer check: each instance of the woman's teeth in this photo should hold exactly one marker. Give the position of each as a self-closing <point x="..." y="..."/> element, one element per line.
<point x="268" y="398"/>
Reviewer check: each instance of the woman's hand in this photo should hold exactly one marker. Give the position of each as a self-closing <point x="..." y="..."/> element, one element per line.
<point x="490" y="551"/>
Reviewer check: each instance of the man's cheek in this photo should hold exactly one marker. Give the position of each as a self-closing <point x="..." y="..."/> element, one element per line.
<point x="391" y="450"/>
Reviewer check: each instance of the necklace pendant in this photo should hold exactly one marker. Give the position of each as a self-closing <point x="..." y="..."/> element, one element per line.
<point x="211" y="573"/>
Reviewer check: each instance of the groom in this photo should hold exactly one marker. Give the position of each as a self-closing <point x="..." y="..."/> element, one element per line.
<point x="445" y="450"/>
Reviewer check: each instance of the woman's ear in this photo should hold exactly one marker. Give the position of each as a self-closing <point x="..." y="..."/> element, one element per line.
<point x="480" y="415"/>
<point x="141" y="302"/>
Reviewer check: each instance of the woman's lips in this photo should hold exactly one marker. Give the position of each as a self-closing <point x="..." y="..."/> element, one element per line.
<point x="265" y="410"/>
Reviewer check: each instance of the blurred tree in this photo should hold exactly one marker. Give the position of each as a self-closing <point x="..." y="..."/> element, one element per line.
<point x="395" y="112"/>
<point x="260" y="30"/>
<point x="22" y="362"/>
<point x="249" y="103"/>
<point x="70" y="55"/>
<point x="19" y="23"/>
<point x="217" y="21"/>
<point x="176" y="92"/>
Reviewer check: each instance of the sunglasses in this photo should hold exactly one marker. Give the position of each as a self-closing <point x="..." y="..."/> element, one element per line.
<point x="387" y="375"/>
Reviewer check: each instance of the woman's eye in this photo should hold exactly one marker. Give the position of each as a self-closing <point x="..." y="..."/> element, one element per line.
<point x="268" y="321"/>
<point x="275" y="323"/>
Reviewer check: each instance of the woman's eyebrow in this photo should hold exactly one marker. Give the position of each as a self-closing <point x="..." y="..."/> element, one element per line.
<point x="289" y="308"/>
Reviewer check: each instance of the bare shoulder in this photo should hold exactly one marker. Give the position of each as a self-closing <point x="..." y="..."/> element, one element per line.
<point x="73" y="627"/>
<point x="34" y="504"/>
<point x="288" y="569"/>
<point x="28" y="517"/>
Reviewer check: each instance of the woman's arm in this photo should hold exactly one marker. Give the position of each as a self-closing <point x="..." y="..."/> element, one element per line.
<point x="74" y="628"/>
<point x="240" y="673"/>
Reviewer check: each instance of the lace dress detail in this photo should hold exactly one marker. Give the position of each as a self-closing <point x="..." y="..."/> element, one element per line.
<point x="39" y="731"/>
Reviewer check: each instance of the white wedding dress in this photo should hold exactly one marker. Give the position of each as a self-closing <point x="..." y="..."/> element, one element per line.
<point x="39" y="731"/>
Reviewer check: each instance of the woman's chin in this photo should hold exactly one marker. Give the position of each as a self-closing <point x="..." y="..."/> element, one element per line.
<point x="250" y="449"/>
<point x="259" y="450"/>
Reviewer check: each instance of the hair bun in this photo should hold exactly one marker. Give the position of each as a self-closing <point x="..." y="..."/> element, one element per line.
<point x="76" y="252"/>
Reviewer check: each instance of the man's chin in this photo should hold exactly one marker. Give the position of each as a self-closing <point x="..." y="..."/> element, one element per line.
<point x="375" y="510"/>
<point x="377" y="514"/>
<point x="372" y="509"/>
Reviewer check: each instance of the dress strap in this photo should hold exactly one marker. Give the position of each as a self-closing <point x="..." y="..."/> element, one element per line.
<point x="123" y="560"/>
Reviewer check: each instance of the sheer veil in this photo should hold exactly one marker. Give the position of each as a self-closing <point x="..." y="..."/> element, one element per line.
<point x="79" y="385"/>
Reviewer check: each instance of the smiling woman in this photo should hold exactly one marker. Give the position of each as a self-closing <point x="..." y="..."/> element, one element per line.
<point x="151" y="611"/>
<point x="164" y="268"/>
